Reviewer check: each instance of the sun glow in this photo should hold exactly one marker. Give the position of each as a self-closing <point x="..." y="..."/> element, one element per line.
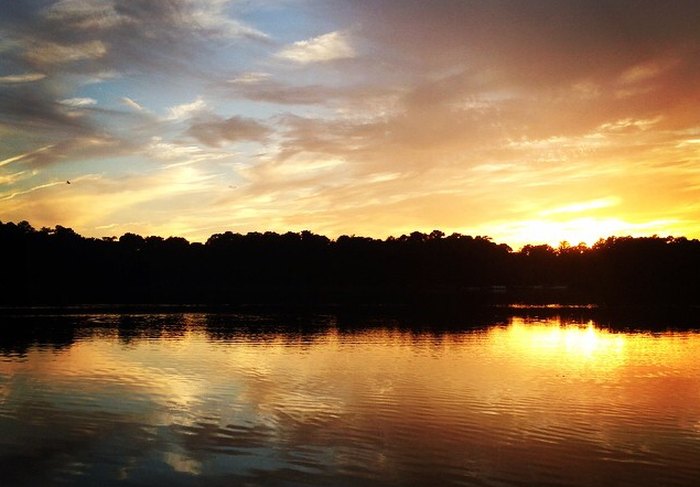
<point x="327" y="129"/>
<point x="585" y="229"/>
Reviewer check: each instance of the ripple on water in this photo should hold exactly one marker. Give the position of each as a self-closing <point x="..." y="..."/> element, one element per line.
<point x="185" y="398"/>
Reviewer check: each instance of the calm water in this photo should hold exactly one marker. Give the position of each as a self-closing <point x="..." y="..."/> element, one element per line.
<point x="197" y="399"/>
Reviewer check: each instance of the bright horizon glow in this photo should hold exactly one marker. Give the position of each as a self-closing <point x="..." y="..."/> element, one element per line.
<point x="191" y="118"/>
<point x="580" y="230"/>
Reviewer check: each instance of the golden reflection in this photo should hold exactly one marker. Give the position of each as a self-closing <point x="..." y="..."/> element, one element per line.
<point x="572" y="345"/>
<point x="530" y="371"/>
<point x="532" y="391"/>
<point x="182" y="463"/>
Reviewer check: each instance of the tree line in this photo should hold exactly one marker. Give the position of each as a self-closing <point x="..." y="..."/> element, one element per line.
<point x="58" y="266"/>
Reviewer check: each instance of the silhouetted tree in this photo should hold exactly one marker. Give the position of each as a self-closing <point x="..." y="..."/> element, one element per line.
<point x="56" y="265"/>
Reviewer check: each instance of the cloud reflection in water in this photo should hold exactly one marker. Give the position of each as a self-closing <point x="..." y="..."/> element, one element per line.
<point x="184" y="397"/>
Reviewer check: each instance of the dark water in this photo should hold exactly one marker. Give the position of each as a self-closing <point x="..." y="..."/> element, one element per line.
<point x="202" y="399"/>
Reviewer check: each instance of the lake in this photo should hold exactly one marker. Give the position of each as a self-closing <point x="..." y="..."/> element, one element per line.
<point x="184" y="399"/>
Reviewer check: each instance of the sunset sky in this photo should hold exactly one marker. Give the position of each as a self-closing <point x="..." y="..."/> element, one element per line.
<point x="529" y="122"/>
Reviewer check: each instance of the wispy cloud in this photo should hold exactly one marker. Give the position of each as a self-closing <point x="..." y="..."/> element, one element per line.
<point x="74" y="149"/>
<point x="186" y="110"/>
<point x="250" y="78"/>
<point x="43" y="54"/>
<point x="213" y="131"/>
<point x="26" y="156"/>
<point x="326" y="47"/>
<point x="583" y="206"/>
<point x="132" y="104"/>
<point x="21" y="78"/>
<point x="85" y="14"/>
<point x="78" y="102"/>
<point x="4" y="197"/>
<point x="12" y="178"/>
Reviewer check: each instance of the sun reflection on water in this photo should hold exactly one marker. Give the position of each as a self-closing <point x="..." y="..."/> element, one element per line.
<point x="563" y="346"/>
<point x="207" y="401"/>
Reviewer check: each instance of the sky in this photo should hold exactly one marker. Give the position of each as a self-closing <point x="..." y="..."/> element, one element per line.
<point x="528" y="122"/>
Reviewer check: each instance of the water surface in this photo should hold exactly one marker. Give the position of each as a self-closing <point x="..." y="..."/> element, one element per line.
<point x="212" y="399"/>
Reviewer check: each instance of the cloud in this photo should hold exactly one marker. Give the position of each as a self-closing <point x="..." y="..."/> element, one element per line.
<point x="38" y="111"/>
<point x="21" y="78"/>
<point x="550" y="39"/>
<point x="282" y="93"/>
<point x="85" y="14"/>
<point x="210" y="18"/>
<point x="5" y="197"/>
<point x="205" y="17"/>
<point x="93" y="199"/>
<point x="43" y="54"/>
<point x="76" y="36"/>
<point x="11" y="178"/>
<point x="25" y="156"/>
<point x="326" y="47"/>
<point x="214" y="131"/>
<point x="640" y="73"/>
<point x="132" y="104"/>
<point x="180" y="154"/>
<point x="265" y="89"/>
<point x="251" y="77"/>
<point x="432" y="117"/>
<point x="584" y="206"/>
<point x="78" y="102"/>
<point x="91" y="78"/>
<point x="186" y="110"/>
<point x="73" y="149"/>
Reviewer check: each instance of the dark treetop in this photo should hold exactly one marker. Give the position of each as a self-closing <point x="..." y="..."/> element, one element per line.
<point x="58" y="266"/>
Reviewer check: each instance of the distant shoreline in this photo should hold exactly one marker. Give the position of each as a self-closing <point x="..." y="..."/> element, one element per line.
<point x="619" y="317"/>
<point x="59" y="268"/>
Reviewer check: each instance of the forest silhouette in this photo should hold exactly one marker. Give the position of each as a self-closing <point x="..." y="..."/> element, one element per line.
<point x="57" y="266"/>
